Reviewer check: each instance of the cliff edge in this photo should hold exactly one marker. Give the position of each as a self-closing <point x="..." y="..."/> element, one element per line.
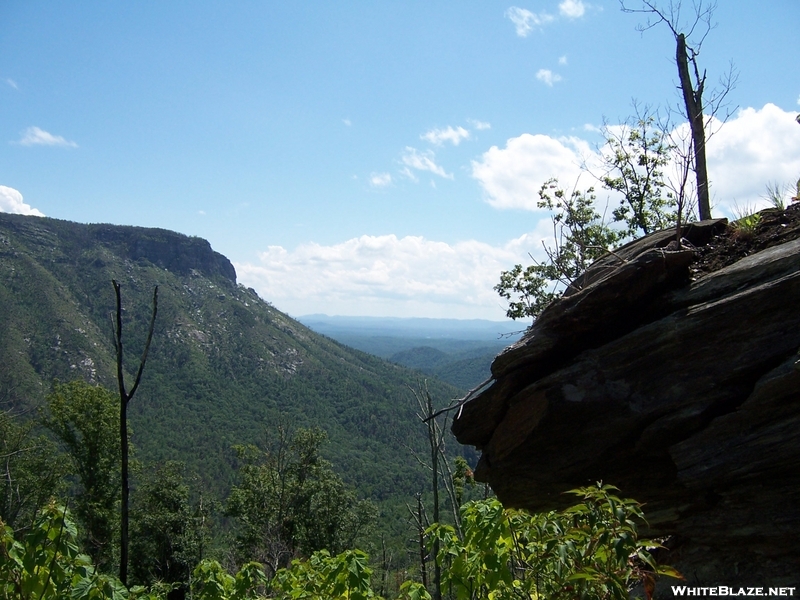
<point x="673" y="374"/>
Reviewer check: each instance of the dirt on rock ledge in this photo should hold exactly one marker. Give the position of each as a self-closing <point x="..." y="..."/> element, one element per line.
<point x="775" y="226"/>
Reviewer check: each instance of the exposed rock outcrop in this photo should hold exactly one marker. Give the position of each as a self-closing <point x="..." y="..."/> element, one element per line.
<point x="680" y="387"/>
<point x="167" y="249"/>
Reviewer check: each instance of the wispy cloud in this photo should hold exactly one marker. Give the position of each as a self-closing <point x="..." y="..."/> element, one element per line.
<point x="562" y="60"/>
<point x="388" y="275"/>
<point x="547" y="77"/>
<point x="11" y="202"/>
<point x="422" y="161"/>
<point x="12" y="83"/>
<point x="572" y="9"/>
<point x="479" y="125"/>
<point x="33" y="136"/>
<point x="440" y="136"/>
<point x="406" y="172"/>
<point x="380" y="180"/>
<point x="524" y="20"/>
<point x="347" y="122"/>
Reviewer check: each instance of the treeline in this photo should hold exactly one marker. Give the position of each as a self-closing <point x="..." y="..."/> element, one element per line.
<point x="289" y="528"/>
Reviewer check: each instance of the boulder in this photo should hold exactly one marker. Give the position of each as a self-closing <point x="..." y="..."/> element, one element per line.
<point x="682" y="391"/>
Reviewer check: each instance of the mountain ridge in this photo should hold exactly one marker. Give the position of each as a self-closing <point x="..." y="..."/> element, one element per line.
<point x="225" y="366"/>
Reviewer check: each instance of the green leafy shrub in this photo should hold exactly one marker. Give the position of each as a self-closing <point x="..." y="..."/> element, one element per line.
<point x="212" y="582"/>
<point x="591" y="550"/>
<point x="47" y="563"/>
<point x="638" y="152"/>
<point x="342" y="577"/>
<point x="580" y="235"/>
<point x="635" y="155"/>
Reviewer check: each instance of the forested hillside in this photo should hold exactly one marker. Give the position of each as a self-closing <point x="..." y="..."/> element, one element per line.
<point x="224" y="368"/>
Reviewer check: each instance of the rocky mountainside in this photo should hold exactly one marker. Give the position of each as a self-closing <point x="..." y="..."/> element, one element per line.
<point x="672" y="373"/>
<point x="225" y="366"/>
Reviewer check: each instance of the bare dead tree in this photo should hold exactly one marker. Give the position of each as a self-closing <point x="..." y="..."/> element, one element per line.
<point x="421" y="523"/>
<point x="436" y="443"/>
<point x="689" y="37"/>
<point x="677" y="181"/>
<point x="124" y="399"/>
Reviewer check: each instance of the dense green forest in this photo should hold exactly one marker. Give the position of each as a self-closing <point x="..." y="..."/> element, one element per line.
<point x="264" y="454"/>
<point x="224" y="364"/>
<point x="225" y="367"/>
<point x="296" y="526"/>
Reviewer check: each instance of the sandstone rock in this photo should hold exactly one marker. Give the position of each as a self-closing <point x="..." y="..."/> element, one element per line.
<point x="683" y="394"/>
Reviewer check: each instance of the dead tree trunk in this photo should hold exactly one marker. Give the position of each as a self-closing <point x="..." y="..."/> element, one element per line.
<point x="693" y="99"/>
<point x="435" y="444"/>
<point x="124" y="398"/>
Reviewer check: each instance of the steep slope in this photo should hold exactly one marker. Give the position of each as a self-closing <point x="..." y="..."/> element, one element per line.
<point x="225" y="366"/>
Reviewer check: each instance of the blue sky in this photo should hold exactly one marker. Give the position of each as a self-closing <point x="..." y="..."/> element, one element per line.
<point x="361" y="158"/>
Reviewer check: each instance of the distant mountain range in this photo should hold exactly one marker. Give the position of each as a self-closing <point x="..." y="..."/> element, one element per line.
<point x="421" y="328"/>
<point x="457" y="351"/>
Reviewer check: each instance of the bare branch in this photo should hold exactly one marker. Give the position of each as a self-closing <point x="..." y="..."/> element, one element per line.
<point x="690" y="36"/>
<point x="461" y="401"/>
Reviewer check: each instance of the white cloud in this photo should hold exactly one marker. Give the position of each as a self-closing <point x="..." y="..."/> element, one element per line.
<point x="572" y="9"/>
<point x="347" y="122"/>
<point x="479" y="125"/>
<point x="12" y="83"/>
<point x="547" y="77"/>
<point x="511" y="177"/>
<point x="439" y="136"/>
<point x="388" y="276"/>
<point x="562" y="60"/>
<point x="33" y="136"/>
<point x="380" y="180"/>
<point x="756" y="147"/>
<point x="422" y="161"/>
<point x="524" y="20"/>
<point x="11" y="202"/>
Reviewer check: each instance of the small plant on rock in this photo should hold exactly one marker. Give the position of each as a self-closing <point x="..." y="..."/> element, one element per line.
<point x="745" y="223"/>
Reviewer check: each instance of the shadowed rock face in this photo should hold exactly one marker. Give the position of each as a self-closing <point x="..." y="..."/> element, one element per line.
<point x="684" y="394"/>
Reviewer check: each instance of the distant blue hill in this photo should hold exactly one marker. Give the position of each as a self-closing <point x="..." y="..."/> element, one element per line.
<point x="454" y="329"/>
<point x="454" y="350"/>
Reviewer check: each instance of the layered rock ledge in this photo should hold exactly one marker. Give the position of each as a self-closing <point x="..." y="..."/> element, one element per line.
<point x="680" y="387"/>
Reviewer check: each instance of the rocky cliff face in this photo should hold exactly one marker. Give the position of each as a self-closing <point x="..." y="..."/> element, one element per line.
<point x="169" y="250"/>
<point x="676" y="382"/>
